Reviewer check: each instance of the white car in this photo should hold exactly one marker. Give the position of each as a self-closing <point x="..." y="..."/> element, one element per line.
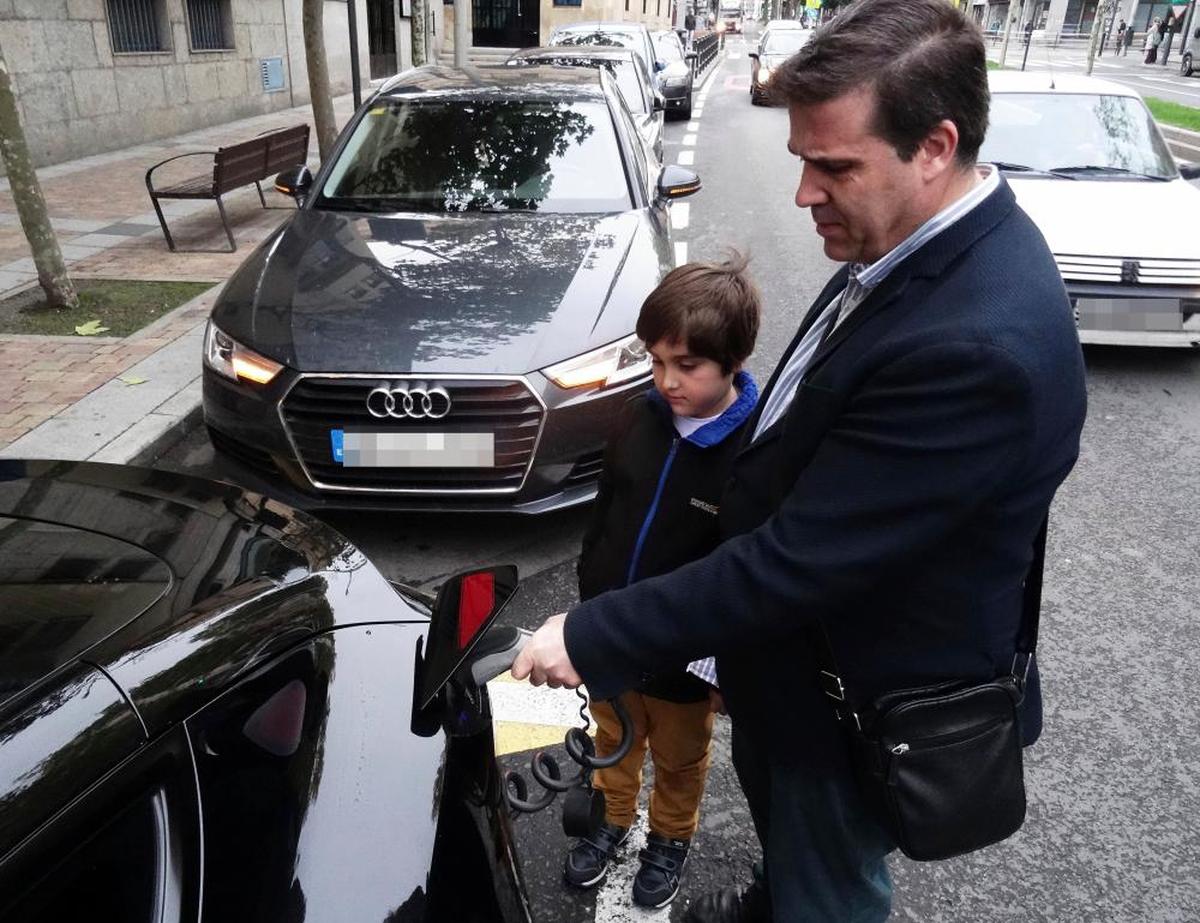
<point x="1089" y="165"/>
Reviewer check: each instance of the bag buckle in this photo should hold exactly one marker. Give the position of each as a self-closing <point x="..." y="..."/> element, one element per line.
<point x="831" y="685"/>
<point x="1025" y="659"/>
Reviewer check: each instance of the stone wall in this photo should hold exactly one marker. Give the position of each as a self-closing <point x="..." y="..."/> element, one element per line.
<point x="77" y="97"/>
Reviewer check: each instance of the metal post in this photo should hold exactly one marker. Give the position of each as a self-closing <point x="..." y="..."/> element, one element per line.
<point x="461" y="8"/>
<point x="1028" y="42"/>
<point x="355" y="76"/>
<point x="1008" y="24"/>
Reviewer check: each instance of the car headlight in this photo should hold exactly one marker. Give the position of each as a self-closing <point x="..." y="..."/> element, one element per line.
<point x="623" y="360"/>
<point x="226" y="356"/>
<point x="677" y="81"/>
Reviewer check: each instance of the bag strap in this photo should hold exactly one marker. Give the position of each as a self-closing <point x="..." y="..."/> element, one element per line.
<point x="1027" y="637"/>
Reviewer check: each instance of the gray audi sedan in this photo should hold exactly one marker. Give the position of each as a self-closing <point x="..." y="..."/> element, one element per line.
<point x="447" y="320"/>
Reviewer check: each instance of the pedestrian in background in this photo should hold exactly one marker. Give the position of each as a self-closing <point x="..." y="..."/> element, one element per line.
<point x="896" y="474"/>
<point x="1153" y="38"/>
<point x="660" y="492"/>
<point x="1120" y="36"/>
<point x="1128" y="40"/>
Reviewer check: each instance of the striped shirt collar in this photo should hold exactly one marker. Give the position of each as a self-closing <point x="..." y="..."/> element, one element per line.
<point x="870" y="275"/>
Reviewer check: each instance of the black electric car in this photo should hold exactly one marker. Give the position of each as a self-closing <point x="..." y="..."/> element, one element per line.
<point x="447" y="321"/>
<point x="214" y="708"/>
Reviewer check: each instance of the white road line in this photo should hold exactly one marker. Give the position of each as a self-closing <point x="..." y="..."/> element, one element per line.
<point x="681" y="212"/>
<point x="693" y="125"/>
<point x="689" y="140"/>
<point x="614" y="898"/>
<point x="534" y="704"/>
<point x="733" y="56"/>
<point x="686" y="158"/>
<point x="680" y="252"/>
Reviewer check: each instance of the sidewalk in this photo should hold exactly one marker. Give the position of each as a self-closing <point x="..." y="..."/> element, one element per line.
<point x="62" y="396"/>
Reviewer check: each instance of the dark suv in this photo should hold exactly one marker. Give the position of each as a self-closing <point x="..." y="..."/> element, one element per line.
<point x="214" y="708"/>
<point x="448" y="320"/>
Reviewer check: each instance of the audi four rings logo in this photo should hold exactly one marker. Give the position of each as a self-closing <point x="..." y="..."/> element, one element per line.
<point x="416" y="402"/>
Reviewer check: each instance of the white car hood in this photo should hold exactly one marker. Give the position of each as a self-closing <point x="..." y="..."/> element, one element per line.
<point x="1121" y="218"/>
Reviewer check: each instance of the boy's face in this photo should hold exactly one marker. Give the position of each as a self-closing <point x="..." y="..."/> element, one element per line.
<point x="693" y="385"/>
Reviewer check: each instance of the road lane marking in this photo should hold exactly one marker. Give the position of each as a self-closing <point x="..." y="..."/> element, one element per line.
<point x="614" y="902"/>
<point x="680" y="252"/>
<point x="689" y="140"/>
<point x="693" y="125"/>
<point x="529" y="717"/>
<point x="681" y="213"/>
<point x="686" y="158"/>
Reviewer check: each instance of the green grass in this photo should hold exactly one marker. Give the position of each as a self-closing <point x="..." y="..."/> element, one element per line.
<point x="1170" y="113"/>
<point x="993" y="65"/>
<point x="122" y="307"/>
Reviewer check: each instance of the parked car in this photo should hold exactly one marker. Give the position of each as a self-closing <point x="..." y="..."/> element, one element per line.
<point x="678" y="74"/>
<point x="1189" y="63"/>
<point x="622" y="34"/>
<point x="775" y="47"/>
<point x="646" y="104"/>
<point x="1088" y="163"/>
<point x="214" y="708"/>
<point x="447" y="322"/>
<point x="731" y="20"/>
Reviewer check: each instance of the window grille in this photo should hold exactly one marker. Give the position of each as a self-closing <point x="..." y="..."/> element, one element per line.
<point x="207" y="25"/>
<point x="134" y="26"/>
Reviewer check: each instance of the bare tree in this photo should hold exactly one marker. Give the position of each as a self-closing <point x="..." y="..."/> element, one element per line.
<point x="318" y="75"/>
<point x="31" y="204"/>
<point x="420" y="15"/>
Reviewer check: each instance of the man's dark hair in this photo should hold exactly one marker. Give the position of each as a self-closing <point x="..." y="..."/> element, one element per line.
<point x="712" y="307"/>
<point x="924" y="60"/>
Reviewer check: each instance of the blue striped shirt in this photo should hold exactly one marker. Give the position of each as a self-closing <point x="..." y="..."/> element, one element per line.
<point x="861" y="281"/>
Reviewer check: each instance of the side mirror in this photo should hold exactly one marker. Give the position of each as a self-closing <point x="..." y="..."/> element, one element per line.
<point x="1189" y="171"/>
<point x="690" y="56"/>
<point x="295" y="182"/>
<point x="466" y="605"/>
<point x="675" y="182"/>
<point x="660" y="66"/>
<point x="754" y="55"/>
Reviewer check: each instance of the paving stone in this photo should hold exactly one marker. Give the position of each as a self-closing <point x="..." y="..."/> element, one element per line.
<point x="98" y="240"/>
<point x="128" y="228"/>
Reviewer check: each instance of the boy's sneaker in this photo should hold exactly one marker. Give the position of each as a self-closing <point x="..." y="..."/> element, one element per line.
<point x="657" y="881"/>
<point x="588" y="859"/>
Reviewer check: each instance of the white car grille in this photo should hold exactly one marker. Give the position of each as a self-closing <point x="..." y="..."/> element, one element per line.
<point x="1131" y="271"/>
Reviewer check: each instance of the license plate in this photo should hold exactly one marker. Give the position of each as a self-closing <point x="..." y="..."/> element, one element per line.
<point x="413" y="450"/>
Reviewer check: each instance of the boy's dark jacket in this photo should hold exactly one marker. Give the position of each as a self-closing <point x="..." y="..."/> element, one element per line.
<point x="658" y="504"/>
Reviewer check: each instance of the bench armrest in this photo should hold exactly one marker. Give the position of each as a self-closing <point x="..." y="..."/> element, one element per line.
<point x="169" y="159"/>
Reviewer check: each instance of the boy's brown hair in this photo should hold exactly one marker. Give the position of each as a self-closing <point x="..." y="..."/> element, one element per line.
<point x="712" y="307"/>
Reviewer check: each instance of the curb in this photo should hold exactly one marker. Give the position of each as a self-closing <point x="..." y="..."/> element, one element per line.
<point x="120" y="423"/>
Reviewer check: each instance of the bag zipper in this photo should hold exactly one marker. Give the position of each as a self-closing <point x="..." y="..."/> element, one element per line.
<point x="941" y="740"/>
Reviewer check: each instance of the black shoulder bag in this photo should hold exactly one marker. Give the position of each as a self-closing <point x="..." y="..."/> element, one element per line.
<point x="941" y="765"/>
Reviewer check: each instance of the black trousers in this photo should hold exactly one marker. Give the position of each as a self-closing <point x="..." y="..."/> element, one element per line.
<point x="824" y="855"/>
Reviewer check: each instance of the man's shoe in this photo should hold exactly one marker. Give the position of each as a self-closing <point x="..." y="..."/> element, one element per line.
<point x="587" y="862"/>
<point x="751" y="904"/>
<point x="657" y="881"/>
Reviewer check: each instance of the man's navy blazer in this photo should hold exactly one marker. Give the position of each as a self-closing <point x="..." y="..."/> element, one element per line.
<point x="896" y="501"/>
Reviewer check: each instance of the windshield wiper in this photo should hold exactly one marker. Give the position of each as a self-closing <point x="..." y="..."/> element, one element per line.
<point x="1007" y="167"/>
<point x="1098" y="168"/>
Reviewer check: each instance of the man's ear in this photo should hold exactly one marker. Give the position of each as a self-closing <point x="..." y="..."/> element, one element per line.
<point x="938" y="151"/>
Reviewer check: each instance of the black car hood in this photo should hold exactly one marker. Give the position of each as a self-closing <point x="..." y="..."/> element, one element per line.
<point x="480" y="293"/>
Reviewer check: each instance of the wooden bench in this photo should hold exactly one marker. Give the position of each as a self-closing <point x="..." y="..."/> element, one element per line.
<point x="232" y="167"/>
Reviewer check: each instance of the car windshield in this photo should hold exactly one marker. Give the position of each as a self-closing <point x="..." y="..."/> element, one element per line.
<point x="1083" y="135"/>
<point x="610" y="37"/>
<point x="480" y="155"/>
<point x="784" y="41"/>
<point x="624" y="70"/>
<point x="668" y="48"/>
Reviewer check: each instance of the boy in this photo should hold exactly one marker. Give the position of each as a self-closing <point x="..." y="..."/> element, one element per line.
<point x="664" y="470"/>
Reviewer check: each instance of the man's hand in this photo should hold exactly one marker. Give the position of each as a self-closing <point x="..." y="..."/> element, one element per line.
<point x="544" y="659"/>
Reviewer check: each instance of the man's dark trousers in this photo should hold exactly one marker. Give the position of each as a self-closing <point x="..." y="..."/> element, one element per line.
<point x="895" y="503"/>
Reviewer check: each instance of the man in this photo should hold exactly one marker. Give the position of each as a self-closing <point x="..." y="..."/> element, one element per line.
<point x="902" y="460"/>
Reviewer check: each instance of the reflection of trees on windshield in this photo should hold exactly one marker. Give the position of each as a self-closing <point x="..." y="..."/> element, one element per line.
<point x="470" y="156"/>
<point x="612" y="39"/>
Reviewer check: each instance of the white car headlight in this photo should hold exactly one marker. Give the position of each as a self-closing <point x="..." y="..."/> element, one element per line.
<point x="617" y="362"/>
<point x="677" y="81"/>
<point x="764" y="74"/>
<point x="226" y="356"/>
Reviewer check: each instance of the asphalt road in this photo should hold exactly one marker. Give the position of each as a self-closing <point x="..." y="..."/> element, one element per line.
<point x="1113" y="787"/>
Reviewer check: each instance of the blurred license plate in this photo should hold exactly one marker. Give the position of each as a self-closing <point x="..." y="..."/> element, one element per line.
<point x="413" y="450"/>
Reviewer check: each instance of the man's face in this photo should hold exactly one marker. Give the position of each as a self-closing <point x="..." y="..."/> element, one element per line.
<point x="864" y="198"/>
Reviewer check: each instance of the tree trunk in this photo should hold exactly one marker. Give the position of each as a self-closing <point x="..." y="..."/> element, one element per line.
<point x="420" y="15"/>
<point x="318" y="76"/>
<point x="1009" y="21"/>
<point x="30" y="203"/>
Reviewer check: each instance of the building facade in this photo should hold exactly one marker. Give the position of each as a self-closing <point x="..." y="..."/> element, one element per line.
<point x="97" y="75"/>
<point x="524" y="23"/>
